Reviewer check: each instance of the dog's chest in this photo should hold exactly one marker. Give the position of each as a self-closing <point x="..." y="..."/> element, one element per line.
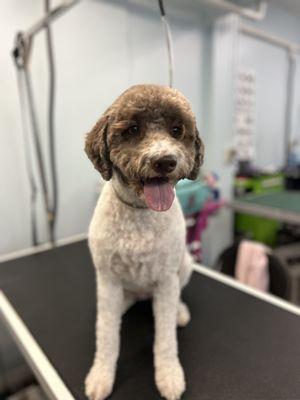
<point x="148" y="249"/>
<point x="139" y="246"/>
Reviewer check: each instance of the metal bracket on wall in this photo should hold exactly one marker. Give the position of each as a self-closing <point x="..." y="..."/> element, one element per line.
<point x="49" y="18"/>
<point x="21" y="55"/>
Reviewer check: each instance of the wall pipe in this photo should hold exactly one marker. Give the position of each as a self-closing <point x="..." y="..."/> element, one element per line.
<point x="269" y="38"/>
<point x="52" y="212"/>
<point x="290" y="98"/>
<point x="253" y="14"/>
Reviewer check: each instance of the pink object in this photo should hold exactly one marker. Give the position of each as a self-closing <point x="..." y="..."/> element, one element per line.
<point x="252" y="265"/>
<point x="195" y="232"/>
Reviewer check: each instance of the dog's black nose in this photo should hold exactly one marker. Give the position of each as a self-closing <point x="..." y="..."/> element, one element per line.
<point x="164" y="165"/>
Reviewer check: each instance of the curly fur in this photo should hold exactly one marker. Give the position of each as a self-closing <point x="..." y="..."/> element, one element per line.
<point x="137" y="252"/>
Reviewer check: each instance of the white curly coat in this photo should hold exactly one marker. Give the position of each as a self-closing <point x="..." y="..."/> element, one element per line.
<point x="137" y="253"/>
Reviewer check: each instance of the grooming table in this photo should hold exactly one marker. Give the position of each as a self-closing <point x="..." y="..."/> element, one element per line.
<point x="281" y="206"/>
<point x="240" y="344"/>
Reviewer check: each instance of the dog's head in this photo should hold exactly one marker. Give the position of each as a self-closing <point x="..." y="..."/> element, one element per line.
<point x="148" y="136"/>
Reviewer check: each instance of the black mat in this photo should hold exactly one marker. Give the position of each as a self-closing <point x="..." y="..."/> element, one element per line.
<point x="236" y="347"/>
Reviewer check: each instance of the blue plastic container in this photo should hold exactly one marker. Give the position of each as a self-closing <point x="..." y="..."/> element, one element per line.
<point x="192" y="195"/>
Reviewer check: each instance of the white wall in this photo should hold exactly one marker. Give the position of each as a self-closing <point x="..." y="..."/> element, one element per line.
<point x="101" y="48"/>
<point x="223" y="62"/>
<point x="271" y="66"/>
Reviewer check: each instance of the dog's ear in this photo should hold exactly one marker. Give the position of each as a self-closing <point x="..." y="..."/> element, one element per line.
<point x="96" y="148"/>
<point x="199" y="154"/>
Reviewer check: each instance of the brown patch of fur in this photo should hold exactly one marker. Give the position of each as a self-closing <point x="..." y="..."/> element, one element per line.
<point x="97" y="150"/>
<point x="199" y="155"/>
<point x="155" y="109"/>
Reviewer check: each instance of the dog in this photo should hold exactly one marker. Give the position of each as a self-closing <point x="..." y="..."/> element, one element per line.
<point x="144" y="143"/>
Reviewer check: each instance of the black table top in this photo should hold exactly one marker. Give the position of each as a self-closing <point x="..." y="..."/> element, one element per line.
<point x="236" y="347"/>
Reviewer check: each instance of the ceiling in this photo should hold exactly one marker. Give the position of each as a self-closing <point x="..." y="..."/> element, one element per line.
<point x="293" y="6"/>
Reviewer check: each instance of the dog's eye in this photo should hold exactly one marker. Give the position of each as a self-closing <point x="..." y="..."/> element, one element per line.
<point x="176" y="130"/>
<point x="133" y="129"/>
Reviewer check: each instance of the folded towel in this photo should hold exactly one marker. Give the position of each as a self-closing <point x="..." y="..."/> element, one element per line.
<point x="252" y="265"/>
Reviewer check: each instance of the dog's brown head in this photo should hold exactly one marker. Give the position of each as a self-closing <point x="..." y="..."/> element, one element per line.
<point x="148" y="136"/>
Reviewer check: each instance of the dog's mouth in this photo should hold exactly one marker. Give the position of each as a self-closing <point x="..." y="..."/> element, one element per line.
<point x="159" y="193"/>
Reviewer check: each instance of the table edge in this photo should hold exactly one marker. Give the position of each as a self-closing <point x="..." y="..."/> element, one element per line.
<point x="40" y="365"/>
<point x="229" y="281"/>
<point x="29" y="251"/>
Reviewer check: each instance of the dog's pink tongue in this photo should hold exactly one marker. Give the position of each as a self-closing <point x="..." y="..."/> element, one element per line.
<point x="159" y="194"/>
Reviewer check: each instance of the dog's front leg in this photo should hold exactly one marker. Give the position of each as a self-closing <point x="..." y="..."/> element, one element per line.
<point x="169" y="375"/>
<point x="99" y="382"/>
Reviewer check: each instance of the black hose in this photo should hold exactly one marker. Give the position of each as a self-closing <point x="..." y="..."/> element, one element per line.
<point x="168" y="37"/>
<point x="161" y="7"/>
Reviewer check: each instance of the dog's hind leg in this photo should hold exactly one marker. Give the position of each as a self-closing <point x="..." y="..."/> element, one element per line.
<point x="110" y="298"/>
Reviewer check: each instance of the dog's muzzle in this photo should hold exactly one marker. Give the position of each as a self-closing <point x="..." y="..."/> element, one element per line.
<point x="164" y="165"/>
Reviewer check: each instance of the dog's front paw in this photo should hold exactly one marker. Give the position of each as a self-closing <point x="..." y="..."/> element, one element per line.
<point x="98" y="383"/>
<point x="169" y="378"/>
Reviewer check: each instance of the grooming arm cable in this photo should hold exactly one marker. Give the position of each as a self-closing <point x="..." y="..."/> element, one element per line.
<point x="21" y="55"/>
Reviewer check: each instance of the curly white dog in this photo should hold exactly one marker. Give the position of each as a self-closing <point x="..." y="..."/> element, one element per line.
<point x="143" y="144"/>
